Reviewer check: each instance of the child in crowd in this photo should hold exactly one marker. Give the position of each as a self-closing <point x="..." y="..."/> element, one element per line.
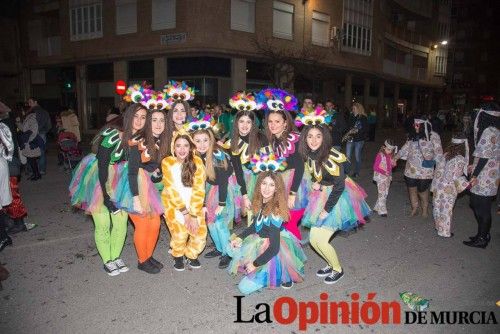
<point x="382" y="174"/>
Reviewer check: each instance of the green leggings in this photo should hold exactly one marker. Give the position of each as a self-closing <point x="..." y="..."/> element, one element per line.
<point x="110" y="233"/>
<point x="320" y="241"/>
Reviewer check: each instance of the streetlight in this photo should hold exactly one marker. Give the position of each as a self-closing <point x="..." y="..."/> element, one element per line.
<point x="444" y="42"/>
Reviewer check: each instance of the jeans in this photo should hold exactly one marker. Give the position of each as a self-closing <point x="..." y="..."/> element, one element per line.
<point x="42" y="162"/>
<point x="357" y="146"/>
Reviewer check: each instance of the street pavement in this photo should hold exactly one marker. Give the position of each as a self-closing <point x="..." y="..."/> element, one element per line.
<point x="57" y="284"/>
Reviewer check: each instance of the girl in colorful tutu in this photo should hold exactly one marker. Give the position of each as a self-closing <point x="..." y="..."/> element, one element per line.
<point x="91" y="185"/>
<point x="336" y="203"/>
<point x="183" y="196"/>
<point x="136" y="192"/>
<point x="284" y="142"/>
<point x="269" y="255"/>
<point x="382" y="175"/>
<point x="245" y="142"/>
<point x="179" y="93"/>
<point x="221" y="187"/>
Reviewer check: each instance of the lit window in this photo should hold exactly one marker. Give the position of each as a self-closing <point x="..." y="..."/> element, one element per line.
<point x="282" y="20"/>
<point x="163" y="14"/>
<point x="85" y="19"/>
<point x="357" y="27"/>
<point x="243" y="15"/>
<point x="441" y="60"/>
<point x="320" y="29"/>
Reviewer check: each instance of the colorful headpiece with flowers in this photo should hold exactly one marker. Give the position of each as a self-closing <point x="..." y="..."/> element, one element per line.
<point x="157" y="101"/>
<point x="201" y="122"/>
<point x="310" y="116"/>
<point x="139" y="94"/>
<point x="179" y="91"/>
<point x="273" y="99"/>
<point x="266" y="161"/>
<point x="244" y="101"/>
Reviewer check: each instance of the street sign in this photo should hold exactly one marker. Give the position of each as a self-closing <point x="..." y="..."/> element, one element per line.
<point x="120" y="87"/>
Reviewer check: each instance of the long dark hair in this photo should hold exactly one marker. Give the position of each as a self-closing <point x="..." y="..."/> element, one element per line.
<point x="210" y="161"/>
<point x="254" y="137"/>
<point x="170" y="125"/>
<point x="324" y="149"/>
<point x="290" y="126"/>
<point x="128" y="121"/>
<point x="150" y="140"/>
<point x="188" y="165"/>
<point x="277" y="205"/>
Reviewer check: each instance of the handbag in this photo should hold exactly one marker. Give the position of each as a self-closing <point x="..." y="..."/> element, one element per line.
<point x="427" y="163"/>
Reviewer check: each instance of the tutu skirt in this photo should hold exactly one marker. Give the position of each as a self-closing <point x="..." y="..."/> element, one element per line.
<point x="149" y="195"/>
<point x="85" y="189"/>
<point x="250" y="181"/>
<point x="301" y="196"/>
<point x="232" y="210"/>
<point x="286" y="266"/>
<point x="349" y="212"/>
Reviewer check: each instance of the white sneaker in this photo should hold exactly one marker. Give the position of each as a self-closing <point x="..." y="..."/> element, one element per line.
<point x="121" y="265"/>
<point x="111" y="268"/>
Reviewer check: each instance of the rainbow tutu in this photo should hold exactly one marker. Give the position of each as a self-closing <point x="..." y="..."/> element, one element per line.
<point x="149" y="195"/>
<point x="349" y="212"/>
<point x="286" y="266"/>
<point x="232" y="210"/>
<point x="250" y="181"/>
<point x="85" y="189"/>
<point x="301" y="196"/>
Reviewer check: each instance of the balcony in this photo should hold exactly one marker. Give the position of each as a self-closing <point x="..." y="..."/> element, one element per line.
<point x="408" y="38"/>
<point x="404" y="71"/>
<point x="420" y="7"/>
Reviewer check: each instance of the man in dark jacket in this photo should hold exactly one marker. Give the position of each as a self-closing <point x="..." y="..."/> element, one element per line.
<point x="338" y="125"/>
<point x="44" y="126"/>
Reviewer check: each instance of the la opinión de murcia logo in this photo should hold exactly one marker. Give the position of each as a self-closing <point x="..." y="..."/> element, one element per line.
<point x="286" y="310"/>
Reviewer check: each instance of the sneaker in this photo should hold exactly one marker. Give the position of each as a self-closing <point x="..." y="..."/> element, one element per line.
<point x="121" y="265"/>
<point x="287" y="285"/>
<point x="212" y="254"/>
<point x="148" y="267"/>
<point x="29" y="226"/>
<point x="334" y="277"/>
<point x="324" y="271"/>
<point x="156" y="262"/>
<point x="224" y="262"/>
<point x="179" y="263"/>
<point x="383" y="215"/>
<point x="111" y="269"/>
<point x="195" y="264"/>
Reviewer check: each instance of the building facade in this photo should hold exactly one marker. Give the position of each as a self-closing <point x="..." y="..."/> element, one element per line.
<point x="377" y="52"/>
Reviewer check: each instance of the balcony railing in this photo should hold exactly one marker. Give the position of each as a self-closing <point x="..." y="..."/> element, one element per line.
<point x="407" y="35"/>
<point x="421" y="7"/>
<point x="404" y="71"/>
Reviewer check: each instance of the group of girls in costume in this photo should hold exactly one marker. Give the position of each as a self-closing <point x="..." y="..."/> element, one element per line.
<point x="151" y="163"/>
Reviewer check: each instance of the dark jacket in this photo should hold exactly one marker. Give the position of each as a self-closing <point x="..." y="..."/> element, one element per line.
<point x="338" y="128"/>
<point x="361" y="123"/>
<point x="43" y="120"/>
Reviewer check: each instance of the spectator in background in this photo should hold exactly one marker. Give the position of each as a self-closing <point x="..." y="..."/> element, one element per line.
<point x="358" y="129"/>
<point x="308" y="103"/>
<point x="44" y="126"/>
<point x="193" y="111"/>
<point x="71" y="123"/>
<point x="338" y="125"/>
<point x="436" y="123"/>
<point x="6" y="150"/>
<point x="112" y="114"/>
<point x="372" y="124"/>
<point x="31" y="143"/>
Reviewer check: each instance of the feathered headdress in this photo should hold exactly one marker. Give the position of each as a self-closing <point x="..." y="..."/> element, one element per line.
<point x="139" y="94"/>
<point x="244" y="101"/>
<point x="179" y="91"/>
<point x="203" y="121"/>
<point x="266" y="161"/>
<point x="157" y="101"/>
<point x="312" y="116"/>
<point x="273" y="99"/>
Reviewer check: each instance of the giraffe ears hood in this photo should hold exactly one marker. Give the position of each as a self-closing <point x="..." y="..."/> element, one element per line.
<point x="177" y="134"/>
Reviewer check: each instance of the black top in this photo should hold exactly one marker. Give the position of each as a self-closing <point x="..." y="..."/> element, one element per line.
<point x="103" y="161"/>
<point x="361" y="123"/>
<point x="270" y="232"/>
<point x="221" y="177"/>
<point x="338" y="128"/>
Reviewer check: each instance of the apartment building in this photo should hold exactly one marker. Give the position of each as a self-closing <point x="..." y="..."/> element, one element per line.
<point x="381" y="53"/>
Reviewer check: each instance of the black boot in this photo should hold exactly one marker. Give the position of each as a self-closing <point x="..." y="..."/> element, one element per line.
<point x="148" y="267"/>
<point x="479" y="242"/>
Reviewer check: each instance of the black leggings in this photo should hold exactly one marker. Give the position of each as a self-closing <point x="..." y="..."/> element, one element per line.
<point x="421" y="184"/>
<point x="33" y="162"/>
<point x="481" y="205"/>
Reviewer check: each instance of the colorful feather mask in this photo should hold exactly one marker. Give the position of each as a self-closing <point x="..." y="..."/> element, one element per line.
<point x="267" y="161"/>
<point x="274" y="99"/>
<point x="310" y="116"/>
<point x="202" y="122"/>
<point x="244" y="101"/>
<point x="178" y="91"/>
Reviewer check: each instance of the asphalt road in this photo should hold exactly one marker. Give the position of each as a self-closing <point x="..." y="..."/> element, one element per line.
<point x="57" y="284"/>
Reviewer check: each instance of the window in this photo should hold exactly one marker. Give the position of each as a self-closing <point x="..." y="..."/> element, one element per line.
<point x="357" y="26"/>
<point x="163" y="14"/>
<point x="320" y="29"/>
<point x="441" y="60"/>
<point x="126" y="16"/>
<point x="85" y="17"/>
<point x="444" y="30"/>
<point x="282" y="20"/>
<point x="243" y="15"/>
